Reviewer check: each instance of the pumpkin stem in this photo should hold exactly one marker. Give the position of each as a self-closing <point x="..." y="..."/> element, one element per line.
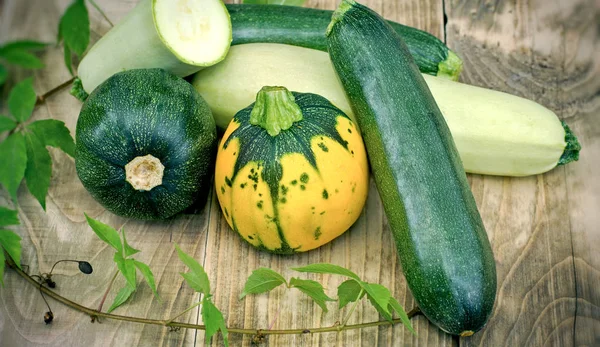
<point x="144" y="173"/>
<point x="275" y="110"/>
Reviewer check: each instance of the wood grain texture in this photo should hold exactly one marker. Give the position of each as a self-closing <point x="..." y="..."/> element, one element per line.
<point x="544" y="229"/>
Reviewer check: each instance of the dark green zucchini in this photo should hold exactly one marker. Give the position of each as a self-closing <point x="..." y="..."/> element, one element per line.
<point x="146" y="142"/>
<point x="305" y="27"/>
<point x="441" y="241"/>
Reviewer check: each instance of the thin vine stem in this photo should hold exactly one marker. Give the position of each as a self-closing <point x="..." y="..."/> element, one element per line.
<point x="353" y="307"/>
<point x="96" y="314"/>
<point x="42" y="98"/>
<point x="185" y="311"/>
<point x="101" y="12"/>
<point x="112" y="280"/>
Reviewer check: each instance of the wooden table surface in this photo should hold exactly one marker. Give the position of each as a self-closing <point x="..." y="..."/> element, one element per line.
<point x="545" y="230"/>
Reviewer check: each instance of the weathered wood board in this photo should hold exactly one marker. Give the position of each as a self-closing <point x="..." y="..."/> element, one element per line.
<point x="545" y="230"/>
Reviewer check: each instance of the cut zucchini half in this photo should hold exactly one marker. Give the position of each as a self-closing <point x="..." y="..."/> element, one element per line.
<point x="198" y="32"/>
<point x="178" y="36"/>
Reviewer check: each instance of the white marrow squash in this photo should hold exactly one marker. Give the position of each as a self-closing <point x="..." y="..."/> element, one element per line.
<point x="495" y="133"/>
<point x="178" y="36"/>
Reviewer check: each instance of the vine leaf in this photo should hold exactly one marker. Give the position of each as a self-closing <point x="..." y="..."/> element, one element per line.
<point x="198" y="280"/>
<point x="122" y="296"/>
<point x="324" y="268"/>
<point x="18" y="53"/>
<point x="395" y="305"/>
<point x="262" y="280"/>
<point x="105" y="233"/>
<point x="2" y="265"/>
<point x="11" y="242"/>
<point x="379" y="296"/>
<point x="22" y="58"/>
<point x="129" y="251"/>
<point x="68" y="57"/>
<point x="8" y="217"/>
<point x="3" y="74"/>
<point x="348" y="291"/>
<point x="213" y="320"/>
<point x="6" y="124"/>
<point x="74" y="29"/>
<point x="54" y="133"/>
<point x="24" y="45"/>
<point x="313" y="289"/>
<point x="127" y="268"/>
<point x="197" y="277"/>
<point x="14" y="161"/>
<point x="148" y="275"/>
<point x="39" y="168"/>
<point x="21" y="100"/>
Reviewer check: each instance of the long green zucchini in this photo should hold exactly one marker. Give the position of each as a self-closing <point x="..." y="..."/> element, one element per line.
<point x="495" y="133"/>
<point x="305" y="27"/>
<point x="441" y="241"/>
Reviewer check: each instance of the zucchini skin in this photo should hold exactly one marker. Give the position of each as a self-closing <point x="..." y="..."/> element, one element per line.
<point x="305" y="27"/>
<point x="441" y="241"/>
<point x="139" y="112"/>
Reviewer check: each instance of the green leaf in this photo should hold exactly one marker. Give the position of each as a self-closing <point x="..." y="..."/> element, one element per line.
<point x="3" y="74"/>
<point x="197" y="277"/>
<point x="379" y="296"/>
<point x="262" y="280"/>
<point x="2" y="264"/>
<point x="74" y="27"/>
<point x="11" y="243"/>
<point x="324" y="268"/>
<point x="23" y="58"/>
<point x="39" y="168"/>
<point x="395" y="305"/>
<point x="213" y="321"/>
<point x="129" y="251"/>
<point x="6" y="124"/>
<point x="68" y="57"/>
<point x="348" y="291"/>
<point x="14" y="161"/>
<point x="8" y="217"/>
<point x="127" y="268"/>
<point x="122" y="296"/>
<point x="54" y="133"/>
<point x="21" y="100"/>
<point x="27" y="45"/>
<point x="275" y="2"/>
<point x="313" y="289"/>
<point x="105" y="233"/>
<point x="148" y="275"/>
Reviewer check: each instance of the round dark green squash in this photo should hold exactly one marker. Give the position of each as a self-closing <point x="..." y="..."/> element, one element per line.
<point x="131" y="126"/>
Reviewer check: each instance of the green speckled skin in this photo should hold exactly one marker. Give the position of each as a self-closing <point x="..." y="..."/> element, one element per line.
<point x="140" y="112"/>
<point x="441" y="241"/>
<point x="256" y="145"/>
<point x="305" y="27"/>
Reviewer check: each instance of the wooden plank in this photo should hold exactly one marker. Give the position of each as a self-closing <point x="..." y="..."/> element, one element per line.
<point x="367" y="249"/>
<point x="543" y="51"/>
<point x="61" y="232"/>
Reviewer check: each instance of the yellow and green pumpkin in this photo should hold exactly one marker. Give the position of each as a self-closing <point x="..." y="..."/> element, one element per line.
<point x="291" y="172"/>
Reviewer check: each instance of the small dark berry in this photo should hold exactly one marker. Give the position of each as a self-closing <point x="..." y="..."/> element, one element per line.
<point x="85" y="267"/>
<point x="48" y="317"/>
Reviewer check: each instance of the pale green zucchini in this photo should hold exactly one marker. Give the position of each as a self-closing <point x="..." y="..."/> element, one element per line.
<point x="494" y="132"/>
<point x="178" y="37"/>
